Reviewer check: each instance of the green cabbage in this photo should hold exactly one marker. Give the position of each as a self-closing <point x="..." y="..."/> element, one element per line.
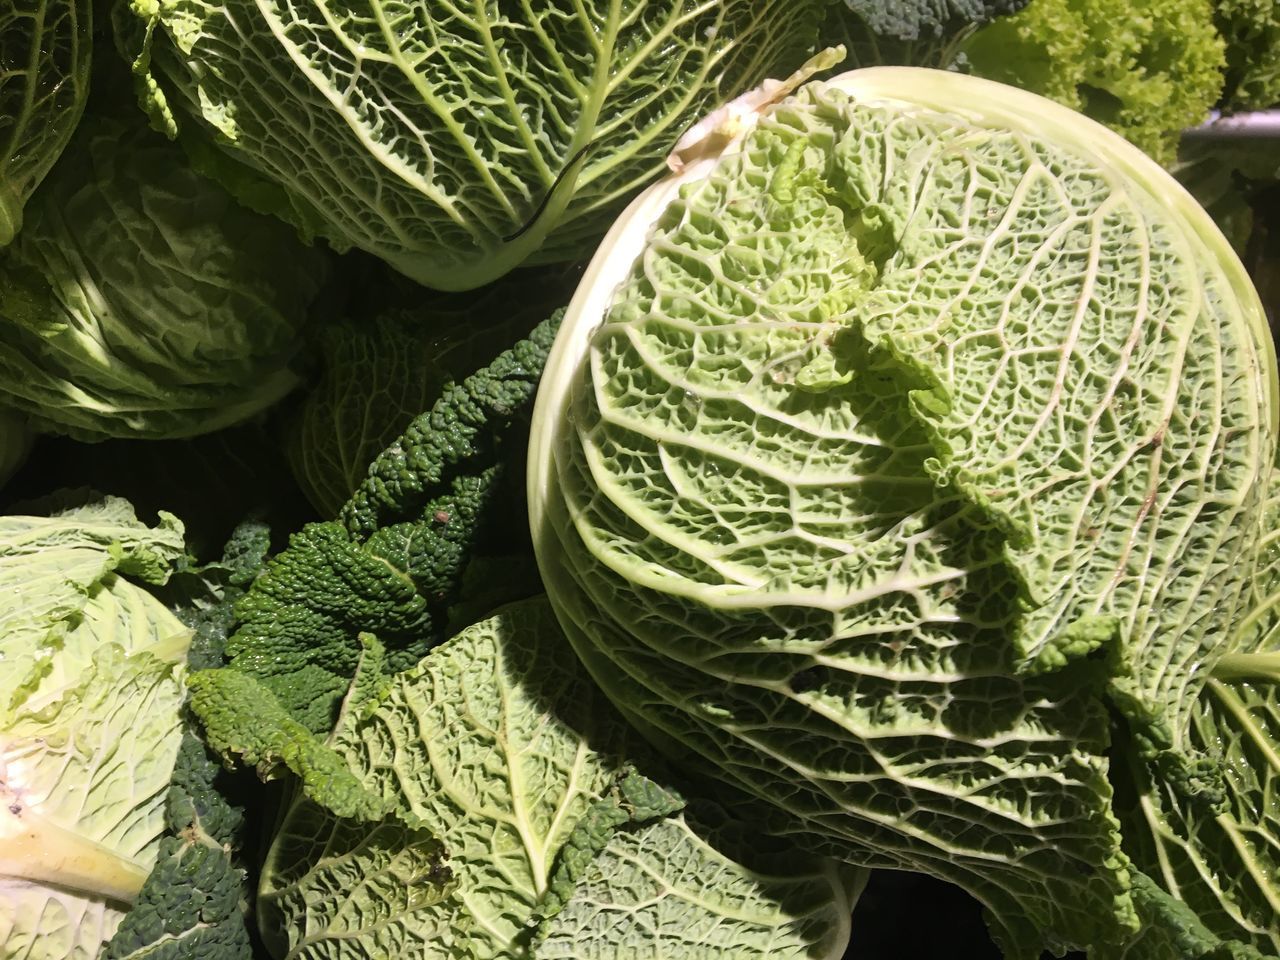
<point x="141" y="301"/>
<point x="453" y="142"/>
<point x="44" y="81"/>
<point x="905" y="465"/>
<point x="90" y="722"/>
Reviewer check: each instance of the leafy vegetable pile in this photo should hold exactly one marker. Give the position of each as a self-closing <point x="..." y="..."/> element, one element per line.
<point x="579" y="479"/>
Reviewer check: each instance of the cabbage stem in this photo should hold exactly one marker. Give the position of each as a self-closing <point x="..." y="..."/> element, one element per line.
<point x="1263" y="667"/>
<point x="35" y="848"/>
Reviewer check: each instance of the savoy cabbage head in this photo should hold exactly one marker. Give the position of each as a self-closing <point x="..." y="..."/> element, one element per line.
<point x="907" y="464"/>
<point x="44" y="82"/>
<point x="90" y="721"/>
<point x="141" y="301"/>
<point x="454" y="142"/>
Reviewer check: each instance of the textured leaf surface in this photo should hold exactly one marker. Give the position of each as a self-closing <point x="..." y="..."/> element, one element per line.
<point x="908" y="431"/>
<point x="393" y="563"/>
<point x="498" y="745"/>
<point x="87" y="778"/>
<point x="49" y="569"/>
<point x="918" y="19"/>
<point x="193" y="905"/>
<point x="89" y="723"/>
<point x="455" y="141"/>
<point x="1220" y="853"/>
<point x="1149" y="72"/>
<point x="44" y="81"/>
<point x="669" y="889"/>
<point x="377" y="377"/>
<point x="1251" y="29"/>
<point x="141" y="301"/>
<point x="380" y="372"/>
<point x="190" y="907"/>
<point x="242" y="720"/>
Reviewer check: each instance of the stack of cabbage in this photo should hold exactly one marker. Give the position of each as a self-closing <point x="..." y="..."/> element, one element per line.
<point x="901" y="483"/>
<point x="139" y="301"/>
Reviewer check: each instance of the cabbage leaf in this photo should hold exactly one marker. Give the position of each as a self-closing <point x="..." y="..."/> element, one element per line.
<point x="1220" y="853"/>
<point x="141" y="300"/>
<point x="44" y="82"/>
<point x="381" y="368"/>
<point x="90" y="722"/>
<point x="453" y="142"/>
<point x="523" y="831"/>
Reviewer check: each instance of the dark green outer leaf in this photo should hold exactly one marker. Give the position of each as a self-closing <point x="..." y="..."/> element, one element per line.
<point x="383" y="365"/>
<point x="393" y="563"/>
<point x="928" y="19"/>
<point x="45" y="50"/>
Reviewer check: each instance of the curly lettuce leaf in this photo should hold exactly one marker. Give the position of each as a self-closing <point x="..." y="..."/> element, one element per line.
<point x="1147" y="70"/>
<point x="191" y="905"/>
<point x="1251" y="29"/>
<point x="51" y="569"/>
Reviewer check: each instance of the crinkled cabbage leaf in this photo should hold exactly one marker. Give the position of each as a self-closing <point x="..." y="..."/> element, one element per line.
<point x="522" y="830"/>
<point x="380" y="370"/>
<point x="453" y="141"/>
<point x="141" y="300"/>
<point x="902" y="449"/>
<point x="1219" y="850"/>
<point x="90" y="722"/>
